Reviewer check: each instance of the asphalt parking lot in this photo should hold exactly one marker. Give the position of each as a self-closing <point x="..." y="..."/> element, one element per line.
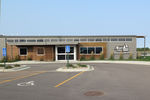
<point x="113" y="81"/>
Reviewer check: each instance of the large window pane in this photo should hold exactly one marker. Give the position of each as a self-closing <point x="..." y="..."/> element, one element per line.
<point x="114" y="39"/>
<point x="31" y="40"/>
<point x="71" y="57"/>
<point x="61" y="49"/>
<point x="22" y="40"/>
<point x="71" y="49"/>
<point x="61" y="57"/>
<point x="98" y="39"/>
<point x="121" y="39"/>
<point x="128" y="39"/>
<point x="83" y="39"/>
<point x="23" y="51"/>
<point x="10" y="40"/>
<point x="83" y="50"/>
<point x="40" y="40"/>
<point x="91" y="40"/>
<point x="98" y="50"/>
<point x="91" y="50"/>
<point x="76" y="40"/>
<point x="53" y="40"/>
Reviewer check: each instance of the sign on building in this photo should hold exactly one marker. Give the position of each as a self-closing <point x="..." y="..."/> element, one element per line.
<point x="122" y="48"/>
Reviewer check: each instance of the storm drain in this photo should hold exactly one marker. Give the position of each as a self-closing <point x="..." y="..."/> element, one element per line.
<point x="94" y="93"/>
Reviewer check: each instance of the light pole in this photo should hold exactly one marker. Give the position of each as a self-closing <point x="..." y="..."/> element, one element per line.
<point x="144" y="46"/>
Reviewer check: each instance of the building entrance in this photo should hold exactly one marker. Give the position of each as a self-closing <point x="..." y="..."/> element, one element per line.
<point x="62" y="55"/>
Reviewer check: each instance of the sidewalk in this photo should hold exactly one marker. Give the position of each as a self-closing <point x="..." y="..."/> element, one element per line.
<point x="97" y="61"/>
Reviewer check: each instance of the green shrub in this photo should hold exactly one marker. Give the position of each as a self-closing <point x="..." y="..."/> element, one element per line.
<point x="112" y="56"/>
<point x="92" y="57"/>
<point x="3" y="59"/>
<point x="17" y="58"/>
<point x="101" y="56"/>
<point x="80" y="65"/>
<point x="29" y="58"/>
<point x="1" y="65"/>
<point x="82" y="58"/>
<point x="8" y="67"/>
<point x="70" y="65"/>
<point x="121" y="56"/>
<point x="16" y="65"/>
<point x="41" y="59"/>
<point x="130" y="56"/>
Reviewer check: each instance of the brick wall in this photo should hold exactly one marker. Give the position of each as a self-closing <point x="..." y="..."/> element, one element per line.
<point x="14" y="51"/>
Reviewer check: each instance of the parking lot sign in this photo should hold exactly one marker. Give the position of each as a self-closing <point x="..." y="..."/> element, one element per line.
<point x="4" y="52"/>
<point x="67" y="48"/>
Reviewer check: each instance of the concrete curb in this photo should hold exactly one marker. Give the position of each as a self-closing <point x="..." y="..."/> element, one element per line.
<point x="97" y="61"/>
<point x="89" y="68"/>
<point x="15" y="69"/>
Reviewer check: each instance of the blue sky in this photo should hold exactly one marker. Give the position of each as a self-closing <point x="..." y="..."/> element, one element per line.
<point x="76" y="17"/>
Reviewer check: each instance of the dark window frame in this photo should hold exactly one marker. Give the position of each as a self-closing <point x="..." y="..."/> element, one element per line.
<point x="86" y="50"/>
<point x="92" y="50"/>
<point x="25" y="53"/>
<point x="38" y="51"/>
<point x="96" y="50"/>
<point x="91" y="47"/>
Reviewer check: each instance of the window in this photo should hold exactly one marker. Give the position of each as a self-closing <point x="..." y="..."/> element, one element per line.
<point x="106" y="39"/>
<point x="16" y="40"/>
<point x="71" y="49"/>
<point x="83" y="40"/>
<point x="22" y="40"/>
<point x="69" y="40"/>
<point x="40" y="40"/>
<point x="61" y="57"/>
<point x="121" y="39"/>
<point x="31" y="40"/>
<point x="91" y="50"/>
<point x="40" y="51"/>
<point x="61" y="50"/>
<point x="83" y="50"/>
<point x="53" y="40"/>
<point x="114" y="39"/>
<point x="62" y="40"/>
<point x="98" y="39"/>
<point x="90" y="40"/>
<point x="46" y="40"/>
<point x="76" y="40"/>
<point x="23" y="51"/>
<point x="10" y="40"/>
<point x="71" y="57"/>
<point x="98" y="50"/>
<point x="128" y="39"/>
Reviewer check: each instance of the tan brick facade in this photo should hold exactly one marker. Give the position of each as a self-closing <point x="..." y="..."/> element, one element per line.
<point x="14" y="51"/>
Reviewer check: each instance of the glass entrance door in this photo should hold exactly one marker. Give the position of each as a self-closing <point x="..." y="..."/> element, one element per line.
<point x="62" y="55"/>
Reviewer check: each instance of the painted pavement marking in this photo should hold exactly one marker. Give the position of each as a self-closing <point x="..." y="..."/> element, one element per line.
<point x="68" y="79"/>
<point x="17" y="78"/>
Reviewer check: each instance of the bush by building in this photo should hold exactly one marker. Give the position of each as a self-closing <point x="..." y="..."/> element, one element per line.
<point x="112" y="56"/>
<point x="101" y="56"/>
<point x="121" y="56"/>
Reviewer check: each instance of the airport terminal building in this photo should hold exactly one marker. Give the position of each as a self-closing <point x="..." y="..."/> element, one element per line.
<point x="52" y="48"/>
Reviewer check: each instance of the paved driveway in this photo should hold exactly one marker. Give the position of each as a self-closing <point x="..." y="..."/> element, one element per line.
<point x="116" y="81"/>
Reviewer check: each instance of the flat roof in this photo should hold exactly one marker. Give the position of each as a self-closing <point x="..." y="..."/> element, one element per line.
<point x="67" y="36"/>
